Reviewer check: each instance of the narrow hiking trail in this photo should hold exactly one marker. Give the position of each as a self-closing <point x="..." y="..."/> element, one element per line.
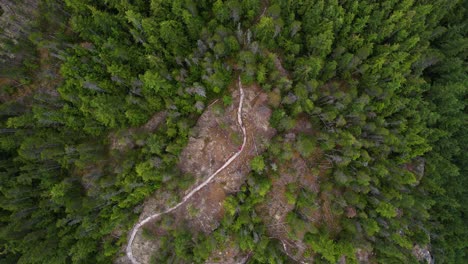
<point x="129" y="249"/>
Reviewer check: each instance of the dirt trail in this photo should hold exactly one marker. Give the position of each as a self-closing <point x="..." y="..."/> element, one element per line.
<point x="129" y="249"/>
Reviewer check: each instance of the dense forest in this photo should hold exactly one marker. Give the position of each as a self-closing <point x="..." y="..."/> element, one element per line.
<point x="367" y="97"/>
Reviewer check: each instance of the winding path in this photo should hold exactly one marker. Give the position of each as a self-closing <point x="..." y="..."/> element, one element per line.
<point x="137" y="226"/>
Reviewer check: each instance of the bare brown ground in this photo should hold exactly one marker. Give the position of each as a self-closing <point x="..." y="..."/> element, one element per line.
<point x="214" y="139"/>
<point x="304" y="173"/>
<point x="218" y="137"/>
<point x="297" y="171"/>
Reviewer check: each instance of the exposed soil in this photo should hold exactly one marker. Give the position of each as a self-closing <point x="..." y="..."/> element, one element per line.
<point x="277" y="207"/>
<point x="303" y="173"/>
<point x="423" y="254"/>
<point x="215" y="138"/>
<point x="154" y="122"/>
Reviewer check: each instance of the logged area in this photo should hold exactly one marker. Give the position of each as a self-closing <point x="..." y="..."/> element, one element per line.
<point x="233" y="132"/>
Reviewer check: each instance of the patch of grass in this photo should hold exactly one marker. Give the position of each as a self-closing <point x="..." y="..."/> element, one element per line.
<point x="223" y="125"/>
<point x="236" y="138"/>
<point x="227" y="100"/>
<point x="218" y="109"/>
<point x="291" y="193"/>
<point x="147" y="234"/>
<point x="192" y="211"/>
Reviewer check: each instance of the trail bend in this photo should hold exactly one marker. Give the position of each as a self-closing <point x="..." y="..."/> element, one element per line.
<point x="129" y="249"/>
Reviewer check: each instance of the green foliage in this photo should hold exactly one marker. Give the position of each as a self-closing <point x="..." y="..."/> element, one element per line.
<point x="371" y="94"/>
<point x="227" y="100"/>
<point x="329" y="250"/>
<point x="258" y="164"/>
<point x="305" y="145"/>
<point x="291" y="193"/>
<point x="386" y="210"/>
